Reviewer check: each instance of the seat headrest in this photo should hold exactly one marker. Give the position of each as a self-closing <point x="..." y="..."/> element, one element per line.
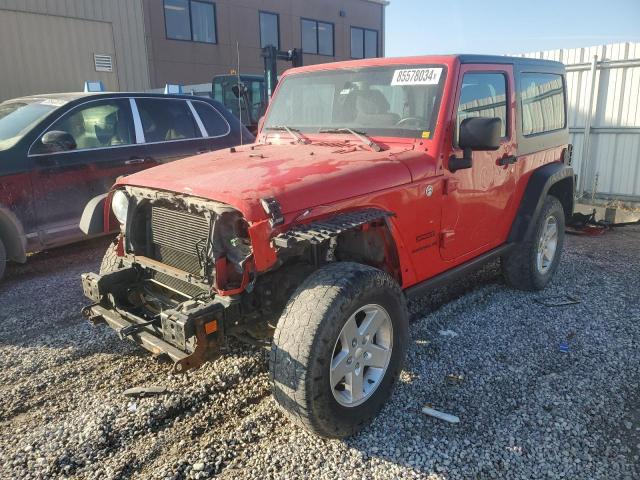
<point x="371" y="102"/>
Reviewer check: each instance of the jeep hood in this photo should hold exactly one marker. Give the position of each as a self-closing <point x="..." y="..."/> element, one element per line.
<point x="298" y="176"/>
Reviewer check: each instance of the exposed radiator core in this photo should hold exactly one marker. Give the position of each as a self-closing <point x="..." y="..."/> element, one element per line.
<point x="177" y="236"/>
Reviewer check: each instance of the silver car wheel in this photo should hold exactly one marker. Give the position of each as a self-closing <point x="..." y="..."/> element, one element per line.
<point x="361" y="355"/>
<point x="547" y="245"/>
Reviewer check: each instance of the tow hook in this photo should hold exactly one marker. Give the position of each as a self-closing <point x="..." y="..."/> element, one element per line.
<point x="136" y="328"/>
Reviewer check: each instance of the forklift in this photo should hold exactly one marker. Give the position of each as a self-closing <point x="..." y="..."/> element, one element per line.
<point x="247" y="96"/>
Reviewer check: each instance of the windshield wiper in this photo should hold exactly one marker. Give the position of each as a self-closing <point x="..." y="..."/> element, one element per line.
<point x="359" y="135"/>
<point x="291" y="131"/>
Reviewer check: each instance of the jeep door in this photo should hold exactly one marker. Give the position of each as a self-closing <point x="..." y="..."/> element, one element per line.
<point x="478" y="201"/>
<point x="66" y="179"/>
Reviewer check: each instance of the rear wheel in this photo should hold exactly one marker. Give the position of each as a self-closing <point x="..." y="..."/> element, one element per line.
<point x="3" y="259"/>
<point x="531" y="265"/>
<point x="338" y="348"/>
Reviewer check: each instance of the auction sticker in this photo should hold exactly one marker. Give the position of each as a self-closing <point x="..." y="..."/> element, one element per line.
<point x="416" y="76"/>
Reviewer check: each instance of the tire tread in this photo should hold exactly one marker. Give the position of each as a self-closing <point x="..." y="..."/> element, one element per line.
<point x="518" y="267"/>
<point x="325" y="296"/>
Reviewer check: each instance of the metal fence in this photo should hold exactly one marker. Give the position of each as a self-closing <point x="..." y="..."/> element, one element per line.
<point x="603" y="90"/>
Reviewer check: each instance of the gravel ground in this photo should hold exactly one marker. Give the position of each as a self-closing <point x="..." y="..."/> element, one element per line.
<point x="526" y="408"/>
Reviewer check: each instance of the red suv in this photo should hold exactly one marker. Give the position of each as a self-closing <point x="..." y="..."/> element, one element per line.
<point x="370" y="181"/>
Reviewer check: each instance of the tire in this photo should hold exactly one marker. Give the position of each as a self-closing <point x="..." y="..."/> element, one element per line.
<point x="3" y="259"/>
<point x="111" y="261"/>
<point x="308" y="343"/>
<point x="521" y="267"/>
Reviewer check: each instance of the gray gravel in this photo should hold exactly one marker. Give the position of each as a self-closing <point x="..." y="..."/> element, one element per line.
<point x="527" y="409"/>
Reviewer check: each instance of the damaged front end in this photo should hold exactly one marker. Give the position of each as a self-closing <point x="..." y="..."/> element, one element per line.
<point x="174" y="281"/>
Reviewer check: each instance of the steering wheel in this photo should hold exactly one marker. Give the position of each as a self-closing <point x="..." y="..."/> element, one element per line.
<point x="416" y="120"/>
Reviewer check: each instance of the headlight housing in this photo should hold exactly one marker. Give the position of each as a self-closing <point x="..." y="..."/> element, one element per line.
<point x="120" y="205"/>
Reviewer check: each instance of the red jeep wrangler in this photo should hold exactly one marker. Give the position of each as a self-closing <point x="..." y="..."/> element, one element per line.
<point x="370" y="181"/>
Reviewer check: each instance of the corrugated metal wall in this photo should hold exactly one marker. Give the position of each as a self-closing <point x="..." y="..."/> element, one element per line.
<point x="604" y="117"/>
<point x="26" y="42"/>
<point x="32" y="45"/>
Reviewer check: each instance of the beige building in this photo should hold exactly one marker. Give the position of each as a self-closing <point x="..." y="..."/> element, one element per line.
<point x="129" y="45"/>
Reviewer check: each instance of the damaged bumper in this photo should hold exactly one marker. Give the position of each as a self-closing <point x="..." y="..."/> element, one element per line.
<point x="189" y="334"/>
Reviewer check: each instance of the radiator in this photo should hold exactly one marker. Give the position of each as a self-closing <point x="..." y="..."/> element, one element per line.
<point x="177" y="236"/>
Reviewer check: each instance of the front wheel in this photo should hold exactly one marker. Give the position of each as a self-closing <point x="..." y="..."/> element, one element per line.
<point x="338" y="348"/>
<point x="532" y="263"/>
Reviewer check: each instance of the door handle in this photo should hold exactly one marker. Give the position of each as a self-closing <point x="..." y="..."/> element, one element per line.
<point x="134" y="161"/>
<point x="508" y="160"/>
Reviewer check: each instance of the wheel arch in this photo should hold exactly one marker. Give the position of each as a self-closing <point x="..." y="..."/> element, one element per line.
<point x="362" y="236"/>
<point x="551" y="179"/>
<point x="563" y="190"/>
<point x="372" y="244"/>
<point x="12" y="235"/>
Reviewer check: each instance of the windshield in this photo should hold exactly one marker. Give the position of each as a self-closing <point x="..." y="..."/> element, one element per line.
<point x="394" y="101"/>
<point x="18" y="117"/>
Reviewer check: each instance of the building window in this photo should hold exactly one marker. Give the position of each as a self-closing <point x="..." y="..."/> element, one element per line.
<point x="364" y="43"/>
<point x="317" y="37"/>
<point x="269" y="29"/>
<point x="192" y="20"/>
<point x="543" y="108"/>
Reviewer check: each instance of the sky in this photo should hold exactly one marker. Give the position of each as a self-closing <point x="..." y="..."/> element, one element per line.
<point x="416" y="27"/>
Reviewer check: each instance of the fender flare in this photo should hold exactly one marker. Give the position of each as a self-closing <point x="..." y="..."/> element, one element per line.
<point x="321" y="230"/>
<point x="540" y="184"/>
<point x="12" y="235"/>
<point x="92" y="221"/>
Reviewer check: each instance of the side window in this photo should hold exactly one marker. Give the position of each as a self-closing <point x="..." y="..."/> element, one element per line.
<point x="166" y="119"/>
<point x="101" y="124"/>
<point x="214" y="123"/>
<point x="543" y="108"/>
<point x="483" y="95"/>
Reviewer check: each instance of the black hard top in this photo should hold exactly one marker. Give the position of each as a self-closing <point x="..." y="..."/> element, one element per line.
<point x="523" y="61"/>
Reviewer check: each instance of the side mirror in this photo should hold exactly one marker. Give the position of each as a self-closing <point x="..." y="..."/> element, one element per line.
<point x="480" y="133"/>
<point x="58" y="141"/>
<point x="477" y="133"/>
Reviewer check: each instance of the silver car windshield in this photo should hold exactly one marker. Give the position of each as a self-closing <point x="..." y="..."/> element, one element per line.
<point x="394" y="101"/>
<point x="17" y="117"/>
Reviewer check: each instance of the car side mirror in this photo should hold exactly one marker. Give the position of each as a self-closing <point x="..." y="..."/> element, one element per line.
<point x="477" y="133"/>
<point x="58" y="141"/>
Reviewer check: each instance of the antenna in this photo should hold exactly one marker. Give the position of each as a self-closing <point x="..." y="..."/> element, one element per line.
<point x="239" y="92"/>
